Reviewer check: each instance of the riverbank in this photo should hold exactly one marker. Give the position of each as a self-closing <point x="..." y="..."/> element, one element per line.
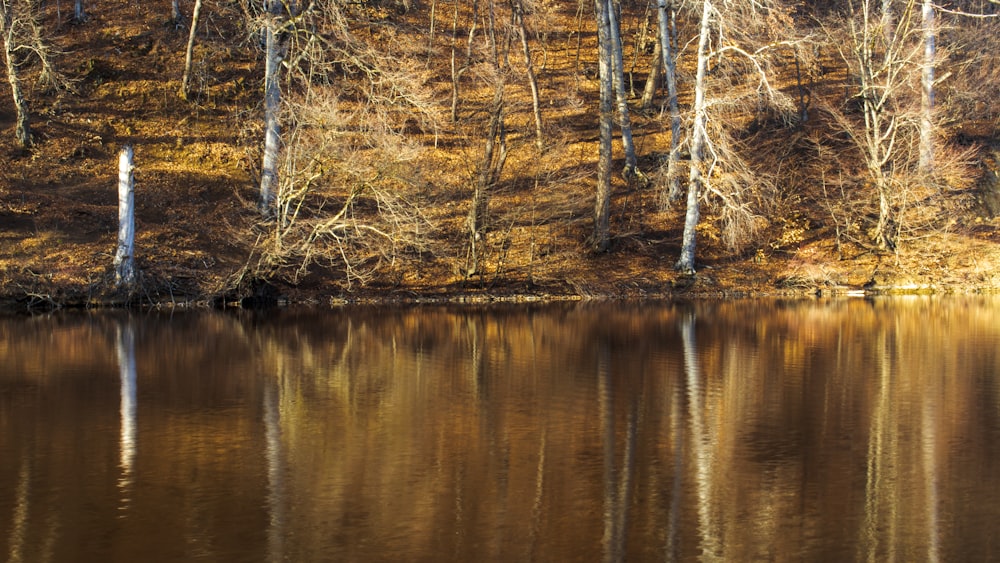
<point x="201" y="242"/>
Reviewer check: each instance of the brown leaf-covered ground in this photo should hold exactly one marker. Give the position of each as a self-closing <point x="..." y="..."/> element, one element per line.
<point x="195" y="189"/>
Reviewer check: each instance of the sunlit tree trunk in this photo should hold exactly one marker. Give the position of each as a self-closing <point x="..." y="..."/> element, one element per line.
<point x="654" y="77"/>
<point x="698" y="139"/>
<point x="125" y="273"/>
<point x="189" y="52"/>
<point x="536" y="103"/>
<point x="927" y="89"/>
<point x="618" y="76"/>
<point x="22" y="129"/>
<point x="670" y="77"/>
<point x="602" y="206"/>
<point x="272" y="108"/>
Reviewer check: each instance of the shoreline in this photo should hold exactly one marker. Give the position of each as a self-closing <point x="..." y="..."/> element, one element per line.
<point x="14" y="304"/>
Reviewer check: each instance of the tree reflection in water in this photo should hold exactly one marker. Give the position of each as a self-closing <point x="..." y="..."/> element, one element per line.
<point x="829" y="430"/>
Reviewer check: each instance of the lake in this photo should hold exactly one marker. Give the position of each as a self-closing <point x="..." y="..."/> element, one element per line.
<point x="829" y="430"/>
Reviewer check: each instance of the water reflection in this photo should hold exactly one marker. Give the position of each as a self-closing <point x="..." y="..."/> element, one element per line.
<point x="701" y="439"/>
<point x="837" y="430"/>
<point x="125" y="352"/>
<point x="20" y="517"/>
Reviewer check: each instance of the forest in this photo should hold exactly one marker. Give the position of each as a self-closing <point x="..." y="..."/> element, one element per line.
<point x="319" y="151"/>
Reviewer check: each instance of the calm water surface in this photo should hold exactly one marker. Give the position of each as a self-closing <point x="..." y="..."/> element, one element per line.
<point x="758" y="430"/>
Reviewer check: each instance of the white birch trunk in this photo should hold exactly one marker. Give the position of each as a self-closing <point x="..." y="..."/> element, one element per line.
<point x="618" y="75"/>
<point x="927" y="91"/>
<point x="602" y="205"/>
<point x="670" y="76"/>
<point x="189" y="53"/>
<point x="698" y="137"/>
<point x="125" y="273"/>
<point x="272" y="122"/>
<point x="22" y="129"/>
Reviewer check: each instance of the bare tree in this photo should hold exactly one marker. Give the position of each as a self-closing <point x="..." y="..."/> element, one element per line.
<point x="927" y="87"/>
<point x="274" y="53"/>
<point x="740" y="85"/>
<point x="621" y="96"/>
<point x="600" y="240"/>
<point x="880" y="56"/>
<point x="685" y="264"/>
<point x="518" y="8"/>
<point x="345" y="180"/>
<point x="189" y="52"/>
<point x="673" y="181"/>
<point x="495" y="150"/>
<point x="490" y="169"/>
<point x="8" y="20"/>
<point x="34" y="45"/>
<point x="458" y="71"/>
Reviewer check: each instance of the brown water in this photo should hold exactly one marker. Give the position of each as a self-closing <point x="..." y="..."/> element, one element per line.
<point x="757" y="430"/>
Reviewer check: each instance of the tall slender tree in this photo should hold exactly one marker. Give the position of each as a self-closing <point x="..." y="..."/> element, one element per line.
<point x="518" y="9"/>
<point x="880" y="55"/>
<point x="495" y="149"/>
<point x="685" y="264"/>
<point x="600" y="239"/>
<point x="189" y="52"/>
<point x="275" y="47"/>
<point x="926" y="163"/>
<point x="621" y="96"/>
<point x="664" y="16"/>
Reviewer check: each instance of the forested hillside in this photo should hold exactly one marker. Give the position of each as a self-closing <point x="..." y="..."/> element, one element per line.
<point x="399" y="149"/>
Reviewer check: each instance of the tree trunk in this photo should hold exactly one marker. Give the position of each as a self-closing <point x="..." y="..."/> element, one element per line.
<point x="272" y="109"/>
<point x="926" y="163"/>
<point x="880" y="79"/>
<point x="494" y="153"/>
<point x="79" y="15"/>
<point x="670" y="77"/>
<point x="456" y="72"/>
<point x="532" y="79"/>
<point x="125" y="273"/>
<point x="22" y="129"/>
<point x="186" y="80"/>
<point x="175" y="12"/>
<point x="494" y="158"/>
<point x="602" y="205"/>
<point x="618" y="66"/>
<point x="654" y="77"/>
<point x="698" y="138"/>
